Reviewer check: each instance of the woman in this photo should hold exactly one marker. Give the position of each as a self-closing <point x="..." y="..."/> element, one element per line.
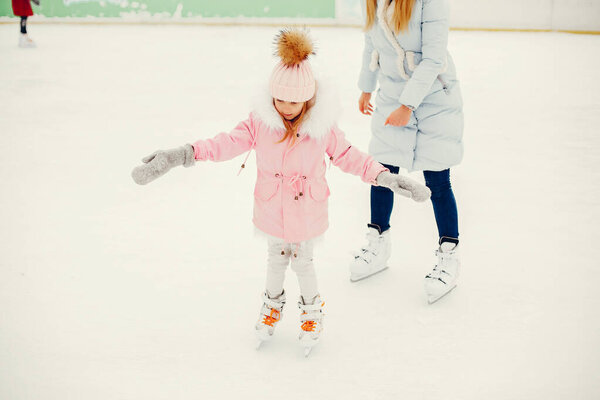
<point x="417" y="124"/>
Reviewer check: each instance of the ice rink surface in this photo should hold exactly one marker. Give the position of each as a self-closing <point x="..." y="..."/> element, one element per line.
<point x="109" y="290"/>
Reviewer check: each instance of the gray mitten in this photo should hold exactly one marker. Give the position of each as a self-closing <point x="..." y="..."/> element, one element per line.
<point x="404" y="186"/>
<point x="160" y="162"/>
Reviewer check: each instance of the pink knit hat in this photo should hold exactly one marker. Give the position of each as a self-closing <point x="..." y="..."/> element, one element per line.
<point x="292" y="78"/>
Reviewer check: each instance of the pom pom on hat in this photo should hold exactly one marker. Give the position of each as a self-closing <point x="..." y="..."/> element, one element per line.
<point x="292" y="79"/>
<point x="293" y="46"/>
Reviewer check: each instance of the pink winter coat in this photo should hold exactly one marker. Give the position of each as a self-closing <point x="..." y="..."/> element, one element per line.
<point x="290" y="195"/>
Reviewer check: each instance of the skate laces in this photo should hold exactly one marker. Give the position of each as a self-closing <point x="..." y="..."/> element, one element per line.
<point x="372" y="247"/>
<point x="273" y="317"/>
<point x="311" y="315"/>
<point x="271" y="310"/>
<point x="311" y="319"/>
<point x="308" y="326"/>
<point x="438" y="271"/>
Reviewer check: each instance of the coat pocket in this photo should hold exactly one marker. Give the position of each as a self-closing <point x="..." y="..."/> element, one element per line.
<point x="266" y="190"/>
<point x="319" y="191"/>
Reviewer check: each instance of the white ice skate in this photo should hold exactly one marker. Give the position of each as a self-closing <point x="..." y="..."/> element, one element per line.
<point x="373" y="257"/>
<point x="270" y="315"/>
<point x="311" y="317"/>
<point x="442" y="279"/>
<point x="25" y="41"/>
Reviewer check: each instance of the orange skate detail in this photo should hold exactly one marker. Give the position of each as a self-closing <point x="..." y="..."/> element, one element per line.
<point x="308" y="326"/>
<point x="272" y="318"/>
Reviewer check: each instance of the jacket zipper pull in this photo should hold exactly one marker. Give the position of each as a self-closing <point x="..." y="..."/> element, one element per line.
<point x="444" y="85"/>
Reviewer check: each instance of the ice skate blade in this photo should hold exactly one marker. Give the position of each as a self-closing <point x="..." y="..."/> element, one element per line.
<point x="308" y="348"/>
<point x="308" y="345"/>
<point x="434" y="299"/>
<point x="262" y="337"/>
<point x="356" y="278"/>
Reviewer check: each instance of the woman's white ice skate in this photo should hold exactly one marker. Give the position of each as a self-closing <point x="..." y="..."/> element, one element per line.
<point x="270" y="315"/>
<point x="442" y="279"/>
<point x="311" y="317"/>
<point x="373" y="257"/>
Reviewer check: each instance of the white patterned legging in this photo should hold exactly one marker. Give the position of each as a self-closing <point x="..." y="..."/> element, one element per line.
<point x="300" y="256"/>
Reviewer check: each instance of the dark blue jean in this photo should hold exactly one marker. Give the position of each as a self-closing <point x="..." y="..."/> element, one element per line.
<point x="442" y="198"/>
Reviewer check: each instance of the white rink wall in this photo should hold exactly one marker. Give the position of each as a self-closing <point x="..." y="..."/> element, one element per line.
<point x="577" y="15"/>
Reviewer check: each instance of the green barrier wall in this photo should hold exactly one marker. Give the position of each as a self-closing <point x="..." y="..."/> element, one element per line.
<point x="181" y="8"/>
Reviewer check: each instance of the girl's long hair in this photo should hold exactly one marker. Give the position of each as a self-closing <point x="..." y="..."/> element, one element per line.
<point x="402" y="13"/>
<point x="291" y="127"/>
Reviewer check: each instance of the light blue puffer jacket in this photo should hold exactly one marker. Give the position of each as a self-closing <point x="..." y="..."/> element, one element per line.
<point x="414" y="68"/>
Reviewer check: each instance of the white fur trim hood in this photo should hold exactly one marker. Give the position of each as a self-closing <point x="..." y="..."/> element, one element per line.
<point x="318" y="121"/>
<point x="385" y="14"/>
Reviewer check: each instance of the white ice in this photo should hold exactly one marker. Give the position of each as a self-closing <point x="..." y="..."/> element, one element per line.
<point x="109" y="290"/>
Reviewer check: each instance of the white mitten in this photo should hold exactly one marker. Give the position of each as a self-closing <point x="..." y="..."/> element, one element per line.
<point x="404" y="186"/>
<point x="160" y="162"/>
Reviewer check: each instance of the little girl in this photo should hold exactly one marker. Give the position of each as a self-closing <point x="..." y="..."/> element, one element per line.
<point x="291" y="131"/>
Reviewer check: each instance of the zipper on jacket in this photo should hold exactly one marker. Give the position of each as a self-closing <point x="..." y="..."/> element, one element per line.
<point x="444" y="84"/>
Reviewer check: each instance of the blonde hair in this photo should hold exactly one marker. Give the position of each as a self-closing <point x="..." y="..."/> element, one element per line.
<point x="400" y="19"/>
<point x="291" y="127"/>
